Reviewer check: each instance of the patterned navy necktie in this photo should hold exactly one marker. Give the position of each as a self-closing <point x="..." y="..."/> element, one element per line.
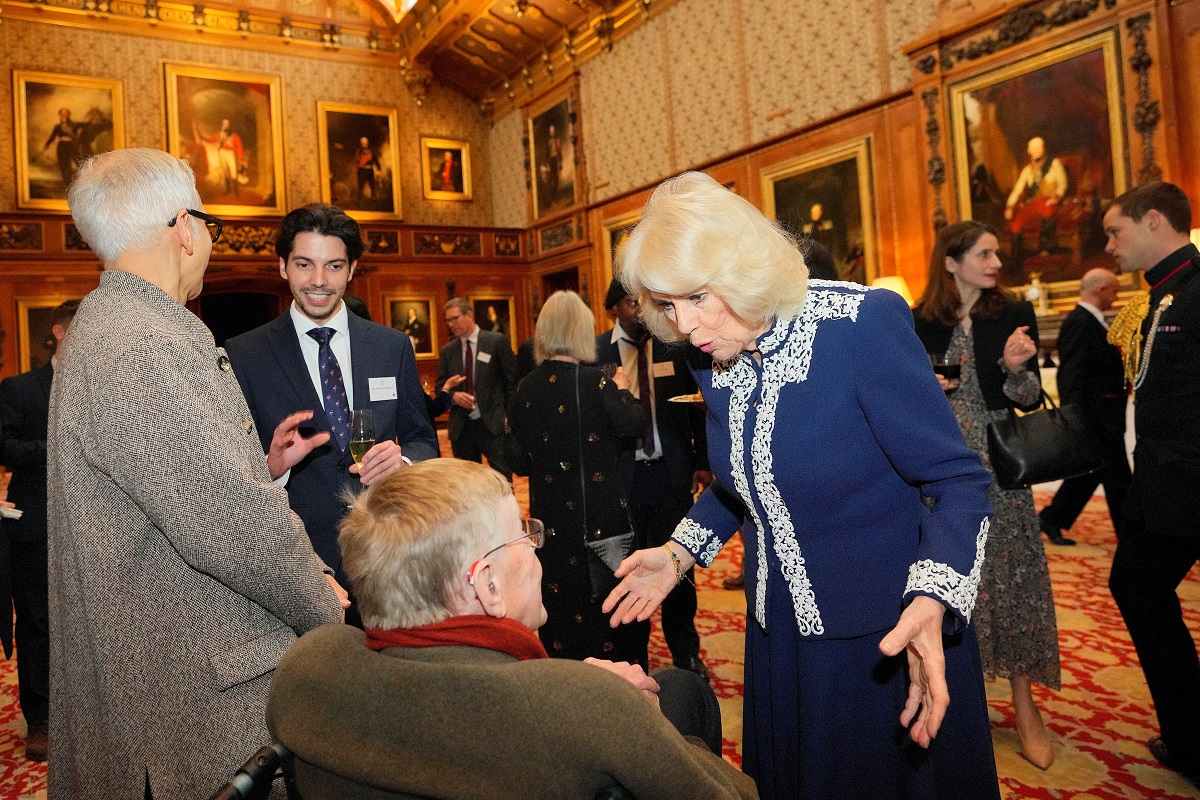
<point x="333" y="388"/>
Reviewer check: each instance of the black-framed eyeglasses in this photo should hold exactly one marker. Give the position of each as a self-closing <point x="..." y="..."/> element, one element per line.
<point x="213" y="224"/>
<point x="535" y="531"/>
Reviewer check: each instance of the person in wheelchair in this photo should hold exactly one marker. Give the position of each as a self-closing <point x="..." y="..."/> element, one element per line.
<point x="449" y="692"/>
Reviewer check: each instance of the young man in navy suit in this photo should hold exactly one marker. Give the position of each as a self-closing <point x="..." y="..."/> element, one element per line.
<point x="24" y="411"/>
<point x="313" y="364"/>
<point x="670" y="461"/>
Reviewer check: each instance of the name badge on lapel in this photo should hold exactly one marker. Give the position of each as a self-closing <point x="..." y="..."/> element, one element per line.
<point x="382" y="388"/>
<point x="664" y="369"/>
<point x="484" y="358"/>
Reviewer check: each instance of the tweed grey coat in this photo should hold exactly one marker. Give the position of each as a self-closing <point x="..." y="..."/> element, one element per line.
<point x="179" y="576"/>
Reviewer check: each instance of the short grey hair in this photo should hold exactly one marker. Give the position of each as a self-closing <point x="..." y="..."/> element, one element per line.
<point x="565" y="327"/>
<point x="122" y="200"/>
<point x="695" y="234"/>
<point x="408" y="541"/>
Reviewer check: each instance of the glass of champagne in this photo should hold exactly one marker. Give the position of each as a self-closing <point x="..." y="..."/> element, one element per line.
<point x="362" y="433"/>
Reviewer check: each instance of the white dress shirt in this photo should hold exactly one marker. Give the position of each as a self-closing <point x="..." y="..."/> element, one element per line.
<point x="630" y="351"/>
<point x="473" y="338"/>
<point x="339" y="342"/>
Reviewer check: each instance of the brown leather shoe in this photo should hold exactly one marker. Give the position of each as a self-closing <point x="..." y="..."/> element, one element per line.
<point x="37" y="742"/>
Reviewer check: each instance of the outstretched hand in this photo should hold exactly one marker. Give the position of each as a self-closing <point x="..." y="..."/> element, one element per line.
<point x="919" y="632"/>
<point x="288" y="447"/>
<point x="648" y="576"/>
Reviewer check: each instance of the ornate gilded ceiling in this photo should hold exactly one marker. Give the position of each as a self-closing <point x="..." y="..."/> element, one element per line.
<point x="495" y="50"/>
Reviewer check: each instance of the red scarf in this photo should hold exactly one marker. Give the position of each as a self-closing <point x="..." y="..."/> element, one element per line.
<point x="504" y="635"/>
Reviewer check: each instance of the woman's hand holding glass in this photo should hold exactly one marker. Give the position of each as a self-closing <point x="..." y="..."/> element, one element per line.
<point x="647" y="577"/>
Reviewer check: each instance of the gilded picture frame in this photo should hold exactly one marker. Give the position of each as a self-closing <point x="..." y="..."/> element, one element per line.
<point x="1047" y="211"/>
<point x="34" y="340"/>
<point x="497" y="313"/>
<point x="615" y="230"/>
<point x="446" y="169"/>
<point x="228" y="125"/>
<point x="60" y="120"/>
<point x="414" y="315"/>
<point x="359" y="157"/>
<point x="553" y="142"/>
<point x="828" y="196"/>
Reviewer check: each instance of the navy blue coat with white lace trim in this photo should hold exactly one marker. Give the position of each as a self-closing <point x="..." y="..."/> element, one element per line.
<point x="826" y="450"/>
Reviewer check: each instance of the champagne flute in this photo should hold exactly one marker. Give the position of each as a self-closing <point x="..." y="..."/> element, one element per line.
<point x="362" y="433"/>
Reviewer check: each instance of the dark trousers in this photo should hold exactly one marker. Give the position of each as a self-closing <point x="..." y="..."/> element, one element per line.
<point x="475" y="441"/>
<point x="1074" y="493"/>
<point x="688" y="703"/>
<point x="656" y="507"/>
<point x="1147" y="569"/>
<point x="31" y="599"/>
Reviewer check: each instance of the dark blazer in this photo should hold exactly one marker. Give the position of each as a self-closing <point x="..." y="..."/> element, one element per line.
<point x="1090" y="373"/>
<point x="1166" y="468"/>
<point x="24" y="408"/>
<point x="987" y="337"/>
<point x="270" y="367"/>
<point x="681" y="426"/>
<point x="495" y="380"/>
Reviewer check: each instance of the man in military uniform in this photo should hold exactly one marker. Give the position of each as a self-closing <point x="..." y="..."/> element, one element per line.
<point x="1159" y="539"/>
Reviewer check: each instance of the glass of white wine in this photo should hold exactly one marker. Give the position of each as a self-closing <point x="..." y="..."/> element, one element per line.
<point x="362" y="433"/>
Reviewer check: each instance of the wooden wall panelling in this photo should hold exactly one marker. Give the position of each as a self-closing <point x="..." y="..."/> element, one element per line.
<point x="1184" y="23"/>
<point x="904" y="198"/>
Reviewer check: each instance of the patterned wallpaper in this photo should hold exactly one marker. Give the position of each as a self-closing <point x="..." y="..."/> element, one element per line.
<point x="709" y="77"/>
<point x="136" y="60"/>
<point x="506" y="159"/>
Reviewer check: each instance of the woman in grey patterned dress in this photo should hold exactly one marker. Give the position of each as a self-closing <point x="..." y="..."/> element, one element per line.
<point x="994" y="340"/>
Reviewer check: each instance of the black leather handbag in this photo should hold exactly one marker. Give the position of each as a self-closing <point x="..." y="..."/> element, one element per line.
<point x="1049" y="444"/>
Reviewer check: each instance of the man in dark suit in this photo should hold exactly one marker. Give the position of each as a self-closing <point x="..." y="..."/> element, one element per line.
<point x="1158" y="541"/>
<point x="1091" y="376"/>
<point x="24" y="410"/>
<point x="476" y="425"/>
<point x="669" y="463"/>
<point x="316" y="362"/>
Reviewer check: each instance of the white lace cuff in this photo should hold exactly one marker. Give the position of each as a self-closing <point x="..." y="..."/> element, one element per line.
<point x="956" y="590"/>
<point x="697" y="540"/>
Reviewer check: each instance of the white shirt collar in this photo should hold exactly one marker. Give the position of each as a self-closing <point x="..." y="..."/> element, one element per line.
<point x="472" y="337"/>
<point x="340" y="321"/>
<point x="1095" y="312"/>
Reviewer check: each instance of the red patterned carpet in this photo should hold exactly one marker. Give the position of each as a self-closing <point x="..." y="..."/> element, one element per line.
<point x="1101" y="718"/>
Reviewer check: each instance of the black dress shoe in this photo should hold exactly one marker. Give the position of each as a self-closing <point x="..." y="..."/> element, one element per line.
<point x="1054" y="533"/>
<point x="1158" y="749"/>
<point x="37" y="742"/>
<point x="693" y="664"/>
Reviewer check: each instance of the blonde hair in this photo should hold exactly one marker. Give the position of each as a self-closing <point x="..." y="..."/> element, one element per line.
<point x="565" y="327"/>
<point x="409" y="539"/>
<point x="696" y="234"/>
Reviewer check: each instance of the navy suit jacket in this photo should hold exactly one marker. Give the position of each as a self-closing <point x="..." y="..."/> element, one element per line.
<point x="681" y="426"/>
<point x="24" y="409"/>
<point x="1090" y="372"/>
<point x="270" y="367"/>
<point x="495" y="380"/>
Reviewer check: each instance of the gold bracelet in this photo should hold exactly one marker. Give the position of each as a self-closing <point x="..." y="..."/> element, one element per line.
<point x="675" y="563"/>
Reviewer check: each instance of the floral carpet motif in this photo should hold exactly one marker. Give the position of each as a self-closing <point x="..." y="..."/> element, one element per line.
<point x="1100" y="720"/>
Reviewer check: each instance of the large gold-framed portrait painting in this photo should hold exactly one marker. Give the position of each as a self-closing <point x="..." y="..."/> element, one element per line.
<point x="60" y="120"/>
<point x="359" y="159"/>
<point x="229" y="126"/>
<point x="828" y="197"/>
<point x="1039" y="150"/>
